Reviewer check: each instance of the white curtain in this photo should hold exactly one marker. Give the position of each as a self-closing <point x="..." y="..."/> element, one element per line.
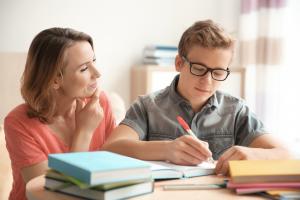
<point x="265" y="53"/>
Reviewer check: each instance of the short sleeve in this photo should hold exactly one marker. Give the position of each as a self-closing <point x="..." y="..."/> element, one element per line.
<point x="110" y="122"/>
<point x="247" y="126"/>
<point x="23" y="149"/>
<point x="136" y="118"/>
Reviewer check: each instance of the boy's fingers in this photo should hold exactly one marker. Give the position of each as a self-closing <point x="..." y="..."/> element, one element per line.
<point x="199" y="145"/>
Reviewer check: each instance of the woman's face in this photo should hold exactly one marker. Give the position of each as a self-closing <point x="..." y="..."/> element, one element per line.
<point x="80" y="74"/>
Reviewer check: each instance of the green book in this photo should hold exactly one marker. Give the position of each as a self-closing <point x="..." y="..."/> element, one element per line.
<point x="121" y="190"/>
<point x="67" y="181"/>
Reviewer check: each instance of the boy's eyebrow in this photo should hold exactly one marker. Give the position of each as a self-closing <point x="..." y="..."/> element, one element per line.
<point x="199" y="63"/>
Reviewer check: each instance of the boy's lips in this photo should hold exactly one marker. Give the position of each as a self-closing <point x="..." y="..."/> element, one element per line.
<point x="202" y="90"/>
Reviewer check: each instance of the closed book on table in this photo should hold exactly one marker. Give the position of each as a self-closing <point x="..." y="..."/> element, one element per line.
<point x="250" y="171"/>
<point x="99" y="193"/>
<point x="52" y="174"/>
<point x="99" y="167"/>
<point x="248" y="188"/>
<point x="230" y="184"/>
<point x="166" y="170"/>
<point x="258" y="190"/>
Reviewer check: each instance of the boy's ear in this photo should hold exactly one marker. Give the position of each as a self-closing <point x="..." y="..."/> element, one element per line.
<point x="179" y="62"/>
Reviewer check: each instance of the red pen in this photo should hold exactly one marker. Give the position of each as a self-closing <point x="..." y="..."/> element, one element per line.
<point x="186" y="127"/>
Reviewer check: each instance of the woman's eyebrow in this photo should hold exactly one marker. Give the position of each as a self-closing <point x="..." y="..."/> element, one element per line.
<point x="87" y="62"/>
<point x="83" y="64"/>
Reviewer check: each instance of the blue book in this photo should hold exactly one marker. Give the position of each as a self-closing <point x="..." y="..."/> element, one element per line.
<point x="160" y="52"/>
<point x="99" y="167"/>
<point x="162" y="47"/>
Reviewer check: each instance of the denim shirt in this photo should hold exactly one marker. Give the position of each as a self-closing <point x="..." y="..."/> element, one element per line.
<point x="224" y="121"/>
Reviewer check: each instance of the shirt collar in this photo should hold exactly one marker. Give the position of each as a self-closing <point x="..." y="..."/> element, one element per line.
<point x="173" y="91"/>
<point x="212" y="101"/>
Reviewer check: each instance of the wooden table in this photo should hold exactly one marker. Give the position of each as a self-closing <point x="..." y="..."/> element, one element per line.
<point x="36" y="191"/>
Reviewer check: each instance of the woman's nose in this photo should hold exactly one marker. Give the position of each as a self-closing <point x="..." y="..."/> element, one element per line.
<point x="95" y="72"/>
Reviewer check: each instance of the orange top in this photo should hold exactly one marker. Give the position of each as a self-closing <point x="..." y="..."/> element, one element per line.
<point x="29" y="141"/>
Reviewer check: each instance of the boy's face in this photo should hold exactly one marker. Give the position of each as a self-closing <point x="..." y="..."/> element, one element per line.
<point x="198" y="89"/>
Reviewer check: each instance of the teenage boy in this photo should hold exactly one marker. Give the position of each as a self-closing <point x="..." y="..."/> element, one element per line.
<point x="225" y="127"/>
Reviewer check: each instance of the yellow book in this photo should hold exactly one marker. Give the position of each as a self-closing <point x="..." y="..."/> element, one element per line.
<point x="251" y="171"/>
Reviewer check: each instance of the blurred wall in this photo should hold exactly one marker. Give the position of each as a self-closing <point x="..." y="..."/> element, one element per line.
<point x="120" y="29"/>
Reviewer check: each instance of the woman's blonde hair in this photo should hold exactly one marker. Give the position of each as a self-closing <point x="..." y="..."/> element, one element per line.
<point x="45" y="62"/>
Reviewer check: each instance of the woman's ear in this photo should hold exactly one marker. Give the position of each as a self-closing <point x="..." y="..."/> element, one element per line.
<point x="179" y="63"/>
<point x="57" y="82"/>
<point x="55" y="85"/>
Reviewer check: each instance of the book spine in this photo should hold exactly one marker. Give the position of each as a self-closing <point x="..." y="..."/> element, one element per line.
<point x="162" y="47"/>
<point x="160" y="53"/>
<point x="159" y="61"/>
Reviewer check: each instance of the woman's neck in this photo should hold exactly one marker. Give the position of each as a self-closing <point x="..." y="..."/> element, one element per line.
<point x="65" y="108"/>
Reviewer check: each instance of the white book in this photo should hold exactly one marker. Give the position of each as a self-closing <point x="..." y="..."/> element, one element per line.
<point x="160" y="53"/>
<point x="96" y="194"/>
<point x="159" y="61"/>
<point x="166" y="170"/>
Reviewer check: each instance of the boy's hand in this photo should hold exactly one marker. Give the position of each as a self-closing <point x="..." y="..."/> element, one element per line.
<point x="88" y="116"/>
<point x="186" y="150"/>
<point x="234" y="153"/>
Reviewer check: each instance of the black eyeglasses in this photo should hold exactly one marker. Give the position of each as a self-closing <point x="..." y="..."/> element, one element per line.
<point x="198" y="69"/>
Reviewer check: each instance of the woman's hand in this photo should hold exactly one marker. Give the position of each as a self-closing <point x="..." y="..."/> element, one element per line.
<point x="186" y="150"/>
<point x="88" y="116"/>
<point x="87" y="119"/>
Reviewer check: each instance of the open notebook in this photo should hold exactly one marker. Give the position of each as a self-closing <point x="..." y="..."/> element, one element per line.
<point x="166" y="170"/>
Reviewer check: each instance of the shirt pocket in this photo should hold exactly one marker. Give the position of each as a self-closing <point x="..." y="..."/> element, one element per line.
<point x="163" y="133"/>
<point x="219" y="142"/>
<point x="160" y="136"/>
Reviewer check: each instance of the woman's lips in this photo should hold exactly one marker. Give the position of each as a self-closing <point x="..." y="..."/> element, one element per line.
<point x="94" y="85"/>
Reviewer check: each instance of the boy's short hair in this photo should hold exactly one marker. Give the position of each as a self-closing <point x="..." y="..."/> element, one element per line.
<point x="207" y="34"/>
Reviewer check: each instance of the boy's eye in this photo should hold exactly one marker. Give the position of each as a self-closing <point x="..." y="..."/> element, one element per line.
<point x="84" y="69"/>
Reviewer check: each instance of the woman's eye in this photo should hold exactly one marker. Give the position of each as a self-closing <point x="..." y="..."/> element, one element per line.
<point x="84" y="69"/>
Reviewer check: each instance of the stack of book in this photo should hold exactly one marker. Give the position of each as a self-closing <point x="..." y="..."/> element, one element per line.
<point x="273" y="178"/>
<point x="160" y="55"/>
<point x="98" y="175"/>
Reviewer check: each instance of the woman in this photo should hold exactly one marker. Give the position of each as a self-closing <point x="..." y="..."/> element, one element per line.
<point x="64" y="109"/>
